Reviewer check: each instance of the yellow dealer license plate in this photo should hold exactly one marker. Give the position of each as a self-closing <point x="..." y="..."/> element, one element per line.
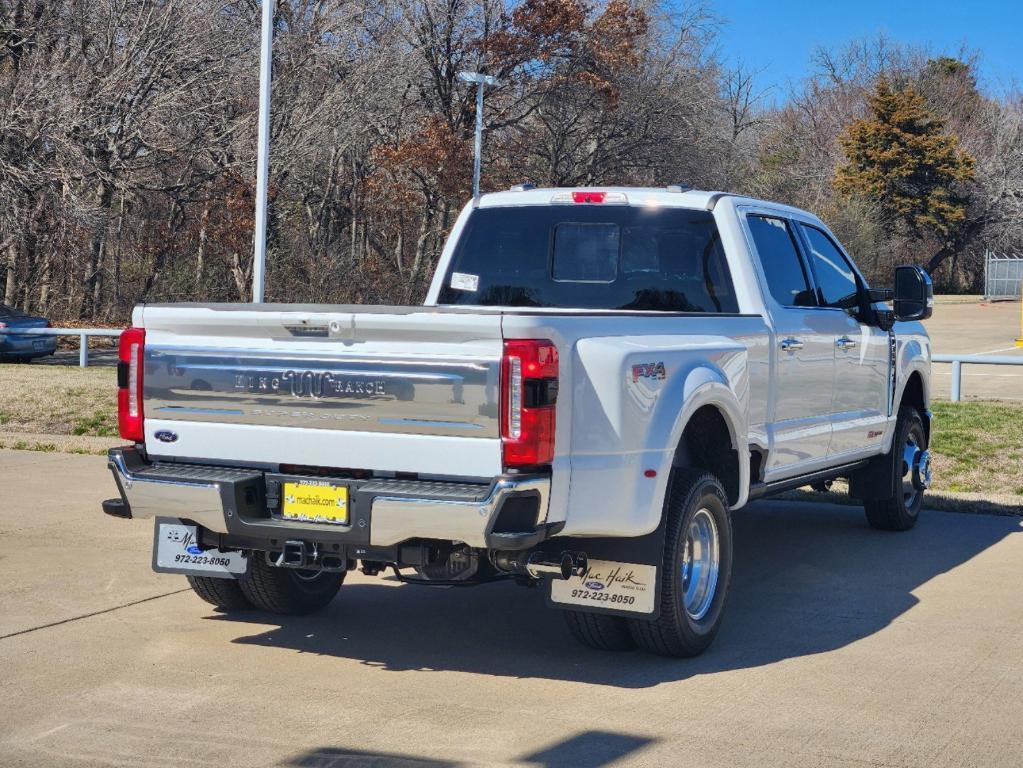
<point x="315" y="502"/>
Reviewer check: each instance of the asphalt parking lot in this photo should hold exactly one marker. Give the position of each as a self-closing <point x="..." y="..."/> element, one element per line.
<point x="842" y="646"/>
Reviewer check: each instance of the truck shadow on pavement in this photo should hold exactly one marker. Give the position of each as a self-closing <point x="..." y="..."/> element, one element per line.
<point x="808" y="579"/>
<point x="589" y="749"/>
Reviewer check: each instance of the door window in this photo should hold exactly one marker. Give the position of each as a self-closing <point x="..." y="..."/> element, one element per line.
<point x="787" y="280"/>
<point x="835" y="277"/>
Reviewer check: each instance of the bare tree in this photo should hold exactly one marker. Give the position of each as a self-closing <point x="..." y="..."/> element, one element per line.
<point x="127" y="138"/>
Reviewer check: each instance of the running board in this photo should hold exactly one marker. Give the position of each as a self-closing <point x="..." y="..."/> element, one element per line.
<point x="762" y="490"/>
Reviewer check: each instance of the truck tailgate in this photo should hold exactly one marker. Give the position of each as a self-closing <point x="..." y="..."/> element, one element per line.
<point x="378" y="388"/>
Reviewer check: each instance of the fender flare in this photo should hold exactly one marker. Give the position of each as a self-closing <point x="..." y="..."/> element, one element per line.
<point x="912" y="359"/>
<point x="704" y="386"/>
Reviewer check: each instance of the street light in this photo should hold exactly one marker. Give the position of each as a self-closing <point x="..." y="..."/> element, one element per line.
<point x="262" y="152"/>
<point x="480" y="80"/>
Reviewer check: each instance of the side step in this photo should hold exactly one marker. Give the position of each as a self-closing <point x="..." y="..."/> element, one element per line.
<point x="762" y="490"/>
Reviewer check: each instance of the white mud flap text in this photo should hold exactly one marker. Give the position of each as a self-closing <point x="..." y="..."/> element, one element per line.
<point x="610" y="586"/>
<point x="176" y="550"/>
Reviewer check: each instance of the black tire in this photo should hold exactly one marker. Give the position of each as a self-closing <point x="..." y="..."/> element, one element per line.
<point x="289" y="591"/>
<point x="899" y="512"/>
<point x="676" y="632"/>
<point x="222" y="593"/>
<point x="605" y="633"/>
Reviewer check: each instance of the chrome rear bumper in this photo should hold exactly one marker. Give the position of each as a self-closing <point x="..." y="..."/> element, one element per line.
<point x="386" y="512"/>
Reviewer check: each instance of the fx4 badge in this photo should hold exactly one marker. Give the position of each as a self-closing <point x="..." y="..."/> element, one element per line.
<point x="648" y="371"/>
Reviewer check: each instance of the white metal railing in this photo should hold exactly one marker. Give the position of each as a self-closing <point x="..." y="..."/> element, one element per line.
<point x="957" y="367"/>
<point x="82" y="333"/>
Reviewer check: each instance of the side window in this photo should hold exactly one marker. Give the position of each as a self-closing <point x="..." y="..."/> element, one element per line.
<point x="786" y="277"/>
<point x="835" y="277"/>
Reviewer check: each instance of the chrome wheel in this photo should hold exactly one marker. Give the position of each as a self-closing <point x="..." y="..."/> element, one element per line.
<point x="700" y="564"/>
<point x="916" y="470"/>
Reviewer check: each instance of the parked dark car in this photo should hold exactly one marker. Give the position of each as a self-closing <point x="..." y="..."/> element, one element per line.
<point x="17" y="347"/>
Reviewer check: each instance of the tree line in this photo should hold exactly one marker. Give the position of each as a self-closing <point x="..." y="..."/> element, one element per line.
<point x="128" y="140"/>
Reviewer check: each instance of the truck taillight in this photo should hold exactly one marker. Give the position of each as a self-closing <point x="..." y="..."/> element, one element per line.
<point x="129" y="384"/>
<point x="529" y="393"/>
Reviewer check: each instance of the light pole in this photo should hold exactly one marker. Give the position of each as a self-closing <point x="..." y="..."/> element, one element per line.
<point x="480" y="80"/>
<point x="262" y="152"/>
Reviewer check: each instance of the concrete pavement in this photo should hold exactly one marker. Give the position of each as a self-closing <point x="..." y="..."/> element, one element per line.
<point x="978" y="328"/>
<point x="841" y="646"/>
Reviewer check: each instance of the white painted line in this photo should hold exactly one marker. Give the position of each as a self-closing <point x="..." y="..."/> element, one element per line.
<point x="1005" y="349"/>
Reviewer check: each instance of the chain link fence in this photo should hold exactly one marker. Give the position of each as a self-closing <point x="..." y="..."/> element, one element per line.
<point x="1003" y="275"/>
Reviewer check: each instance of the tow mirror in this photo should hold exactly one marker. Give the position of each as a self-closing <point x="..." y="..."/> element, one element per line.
<point x="914" y="293"/>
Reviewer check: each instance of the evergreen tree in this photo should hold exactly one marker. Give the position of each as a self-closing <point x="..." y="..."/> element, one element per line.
<point x="901" y="159"/>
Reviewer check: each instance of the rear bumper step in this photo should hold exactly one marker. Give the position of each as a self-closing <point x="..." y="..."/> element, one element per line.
<point x="508" y="513"/>
<point x="117" y="508"/>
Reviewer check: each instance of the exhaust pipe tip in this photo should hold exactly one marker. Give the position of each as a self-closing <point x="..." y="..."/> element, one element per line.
<point x="567" y="564"/>
<point x="580" y="564"/>
<point x="536" y="565"/>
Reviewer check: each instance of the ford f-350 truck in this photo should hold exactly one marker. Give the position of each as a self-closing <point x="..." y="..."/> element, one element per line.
<point x="598" y="379"/>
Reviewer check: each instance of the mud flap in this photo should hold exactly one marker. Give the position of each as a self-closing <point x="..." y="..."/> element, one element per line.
<point x="623" y="578"/>
<point x="875" y="481"/>
<point x="177" y="549"/>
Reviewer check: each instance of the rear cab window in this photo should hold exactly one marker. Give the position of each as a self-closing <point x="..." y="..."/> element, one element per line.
<point x="610" y="257"/>
<point x="586" y="253"/>
<point x="787" y="279"/>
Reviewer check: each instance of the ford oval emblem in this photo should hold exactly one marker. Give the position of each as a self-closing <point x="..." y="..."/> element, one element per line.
<point x="594" y="585"/>
<point x="166" y="436"/>
<point x="193" y="550"/>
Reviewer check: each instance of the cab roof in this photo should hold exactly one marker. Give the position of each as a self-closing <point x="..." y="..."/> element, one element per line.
<point x="660" y="196"/>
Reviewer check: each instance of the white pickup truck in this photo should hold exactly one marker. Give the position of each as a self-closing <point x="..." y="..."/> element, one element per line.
<point x="598" y="378"/>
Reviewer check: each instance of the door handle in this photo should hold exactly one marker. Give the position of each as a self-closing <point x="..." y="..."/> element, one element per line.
<point x="845" y="344"/>
<point x="791" y="345"/>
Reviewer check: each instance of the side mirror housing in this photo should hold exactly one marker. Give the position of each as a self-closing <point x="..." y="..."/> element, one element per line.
<point x="914" y="293"/>
<point x="880" y="294"/>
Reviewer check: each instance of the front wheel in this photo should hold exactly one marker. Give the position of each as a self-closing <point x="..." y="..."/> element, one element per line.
<point x="696" y="569"/>
<point x="911" y="476"/>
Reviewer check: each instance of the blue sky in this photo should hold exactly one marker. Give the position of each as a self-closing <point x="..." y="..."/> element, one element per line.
<point x="779" y="36"/>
